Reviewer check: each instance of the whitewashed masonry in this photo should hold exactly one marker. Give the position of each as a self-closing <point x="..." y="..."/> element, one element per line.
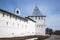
<point x="13" y="25"/>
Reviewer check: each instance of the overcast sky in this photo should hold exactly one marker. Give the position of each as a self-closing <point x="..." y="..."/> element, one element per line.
<point x="50" y="8"/>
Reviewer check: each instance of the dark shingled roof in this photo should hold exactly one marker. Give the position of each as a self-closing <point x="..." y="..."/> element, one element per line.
<point x="36" y="16"/>
<point x="30" y="19"/>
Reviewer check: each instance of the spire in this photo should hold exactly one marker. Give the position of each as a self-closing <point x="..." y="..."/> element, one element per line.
<point x="36" y="12"/>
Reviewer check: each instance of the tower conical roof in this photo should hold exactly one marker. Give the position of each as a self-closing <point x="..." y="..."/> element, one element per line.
<point x="36" y="12"/>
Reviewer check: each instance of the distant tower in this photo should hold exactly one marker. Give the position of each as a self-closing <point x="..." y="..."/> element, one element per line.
<point x="40" y="21"/>
<point x="17" y="11"/>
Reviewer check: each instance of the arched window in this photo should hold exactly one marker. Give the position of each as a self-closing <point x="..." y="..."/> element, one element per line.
<point x="17" y="12"/>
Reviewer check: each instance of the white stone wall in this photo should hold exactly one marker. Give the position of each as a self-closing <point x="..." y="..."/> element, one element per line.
<point x="12" y="27"/>
<point x="40" y="25"/>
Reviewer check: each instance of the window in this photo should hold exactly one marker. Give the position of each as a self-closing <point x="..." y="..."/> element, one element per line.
<point x="41" y="17"/>
<point x="44" y="20"/>
<point x="24" y="20"/>
<point x="44" y="25"/>
<point x="10" y="16"/>
<point x="3" y="14"/>
<point x="32" y="32"/>
<point x="41" y="25"/>
<point x="7" y="14"/>
<point x="36" y="32"/>
<point x="12" y="33"/>
<point x="15" y="18"/>
<point x="7" y="23"/>
<point x="35" y="17"/>
<point x="37" y="25"/>
<point x="17" y="12"/>
<point x="19" y="19"/>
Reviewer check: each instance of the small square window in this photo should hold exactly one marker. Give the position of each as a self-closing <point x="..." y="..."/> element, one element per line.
<point x="15" y="18"/>
<point x="7" y="15"/>
<point x="32" y="32"/>
<point x="10" y="16"/>
<point x="39" y="18"/>
<point x="12" y="33"/>
<point x="35" y="17"/>
<point x="44" y="20"/>
<point x="41" y="25"/>
<point x="3" y="14"/>
<point x="7" y="23"/>
<point x="37" y="25"/>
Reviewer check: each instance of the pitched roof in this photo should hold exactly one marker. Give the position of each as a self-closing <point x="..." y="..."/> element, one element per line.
<point x="36" y="12"/>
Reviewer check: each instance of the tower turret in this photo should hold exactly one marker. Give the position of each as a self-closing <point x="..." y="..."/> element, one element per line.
<point x="40" y="21"/>
<point x="36" y="12"/>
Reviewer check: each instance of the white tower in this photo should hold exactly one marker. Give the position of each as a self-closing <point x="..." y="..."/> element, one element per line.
<point x="40" y="21"/>
<point x="17" y="11"/>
